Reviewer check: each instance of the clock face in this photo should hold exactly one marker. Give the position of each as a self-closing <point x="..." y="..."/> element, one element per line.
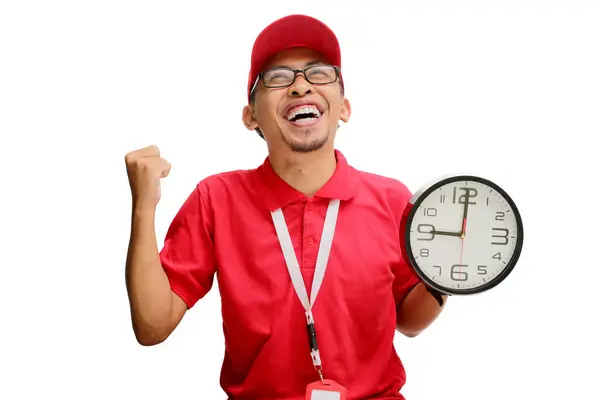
<point x="463" y="234"/>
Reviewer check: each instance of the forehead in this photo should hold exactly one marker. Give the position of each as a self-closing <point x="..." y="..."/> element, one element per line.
<point x="297" y="57"/>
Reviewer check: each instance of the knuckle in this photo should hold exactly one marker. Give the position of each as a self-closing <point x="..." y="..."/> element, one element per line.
<point x="129" y="157"/>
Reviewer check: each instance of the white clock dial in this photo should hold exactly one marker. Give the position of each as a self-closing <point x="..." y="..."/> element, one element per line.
<point x="463" y="235"/>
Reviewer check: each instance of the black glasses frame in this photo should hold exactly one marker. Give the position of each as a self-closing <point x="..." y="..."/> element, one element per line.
<point x="296" y="72"/>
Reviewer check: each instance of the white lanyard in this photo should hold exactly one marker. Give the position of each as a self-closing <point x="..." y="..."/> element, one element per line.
<point x="293" y="267"/>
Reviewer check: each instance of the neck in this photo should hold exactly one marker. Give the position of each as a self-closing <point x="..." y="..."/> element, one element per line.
<point x="305" y="172"/>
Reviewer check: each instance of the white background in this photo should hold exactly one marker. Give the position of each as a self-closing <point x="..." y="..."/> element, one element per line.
<point x="508" y="90"/>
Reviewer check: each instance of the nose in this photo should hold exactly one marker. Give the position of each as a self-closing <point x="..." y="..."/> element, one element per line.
<point x="300" y="87"/>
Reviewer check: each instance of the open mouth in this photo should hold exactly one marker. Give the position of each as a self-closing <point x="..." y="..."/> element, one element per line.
<point x="303" y="114"/>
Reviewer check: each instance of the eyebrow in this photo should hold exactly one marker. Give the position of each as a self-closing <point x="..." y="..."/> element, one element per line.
<point x="310" y="64"/>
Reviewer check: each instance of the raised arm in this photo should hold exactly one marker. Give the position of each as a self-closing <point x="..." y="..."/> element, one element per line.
<point x="155" y="309"/>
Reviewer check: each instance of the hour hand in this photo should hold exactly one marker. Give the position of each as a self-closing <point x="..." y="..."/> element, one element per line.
<point x="444" y="233"/>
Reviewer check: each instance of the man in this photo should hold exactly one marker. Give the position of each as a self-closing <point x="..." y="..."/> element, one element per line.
<point x="264" y="233"/>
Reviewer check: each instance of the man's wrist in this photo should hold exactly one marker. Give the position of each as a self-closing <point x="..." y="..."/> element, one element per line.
<point x="143" y="209"/>
<point x="437" y="295"/>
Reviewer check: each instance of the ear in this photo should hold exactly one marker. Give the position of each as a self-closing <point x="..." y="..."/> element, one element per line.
<point x="346" y="110"/>
<point x="248" y="118"/>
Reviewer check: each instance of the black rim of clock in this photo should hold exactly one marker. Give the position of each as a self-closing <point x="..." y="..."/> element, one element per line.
<point x="510" y="264"/>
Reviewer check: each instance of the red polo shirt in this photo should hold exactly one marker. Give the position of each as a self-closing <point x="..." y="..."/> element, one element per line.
<point x="225" y="229"/>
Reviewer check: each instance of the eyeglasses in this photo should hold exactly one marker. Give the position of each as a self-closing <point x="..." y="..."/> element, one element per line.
<point x="281" y="77"/>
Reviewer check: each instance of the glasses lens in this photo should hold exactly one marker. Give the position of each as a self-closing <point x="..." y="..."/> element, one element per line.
<point x="278" y="77"/>
<point x="321" y="74"/>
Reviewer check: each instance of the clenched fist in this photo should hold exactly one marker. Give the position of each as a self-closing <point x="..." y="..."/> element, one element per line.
<point x="145" y="168"/>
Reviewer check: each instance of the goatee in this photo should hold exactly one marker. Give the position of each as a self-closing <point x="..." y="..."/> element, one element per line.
<point x="306" y="146"/>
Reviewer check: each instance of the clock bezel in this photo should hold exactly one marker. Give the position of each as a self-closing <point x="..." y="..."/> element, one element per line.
<point x="408" y="217"/>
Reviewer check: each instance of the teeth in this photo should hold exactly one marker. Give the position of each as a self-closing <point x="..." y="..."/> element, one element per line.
<point x="303" y="110"/>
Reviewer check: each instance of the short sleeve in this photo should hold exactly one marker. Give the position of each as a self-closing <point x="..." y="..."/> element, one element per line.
<point x="404" y="281"/>
<point x="188" y="252"/>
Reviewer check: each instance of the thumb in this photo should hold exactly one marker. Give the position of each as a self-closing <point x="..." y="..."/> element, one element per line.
<point x="164" y="169"/>
<point x="158" y="190"/>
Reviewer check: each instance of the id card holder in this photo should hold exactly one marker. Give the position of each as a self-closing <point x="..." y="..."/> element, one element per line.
<point x="326" y="390"/>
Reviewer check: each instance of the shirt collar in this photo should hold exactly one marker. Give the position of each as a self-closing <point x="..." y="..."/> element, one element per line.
<point x="277" y="194"/>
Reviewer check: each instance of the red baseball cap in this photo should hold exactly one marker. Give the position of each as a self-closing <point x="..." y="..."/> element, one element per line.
<point x="293" y="31"/>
